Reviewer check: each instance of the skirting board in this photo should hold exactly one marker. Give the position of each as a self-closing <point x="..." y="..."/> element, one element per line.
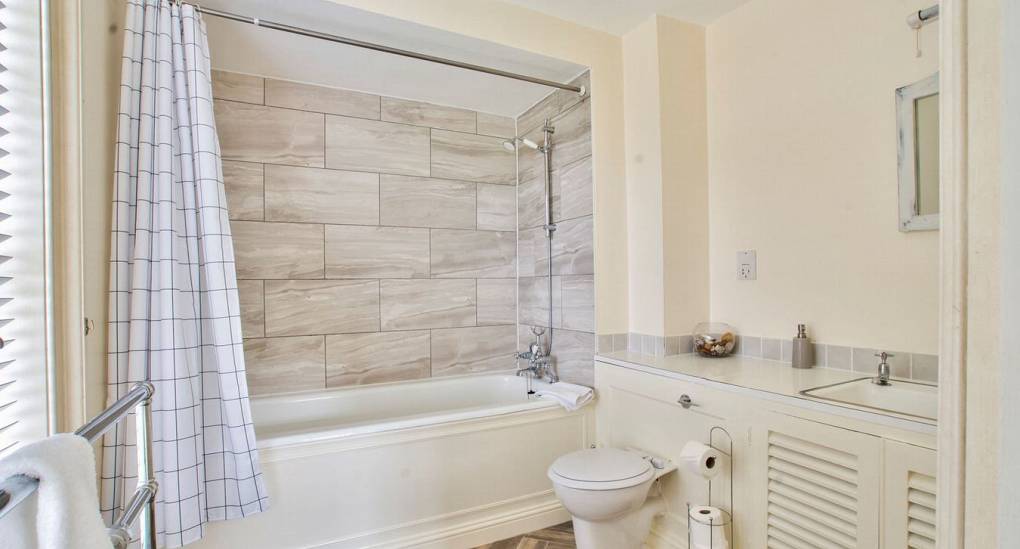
<point x="477" y="528"/>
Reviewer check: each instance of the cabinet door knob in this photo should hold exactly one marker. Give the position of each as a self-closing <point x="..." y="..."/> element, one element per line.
<point x="685" y="401"/>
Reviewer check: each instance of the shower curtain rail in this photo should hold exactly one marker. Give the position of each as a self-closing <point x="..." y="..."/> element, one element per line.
<point x="385" y="49"/>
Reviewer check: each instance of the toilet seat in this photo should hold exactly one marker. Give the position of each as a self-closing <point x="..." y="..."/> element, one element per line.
<point x="601" y="469"/>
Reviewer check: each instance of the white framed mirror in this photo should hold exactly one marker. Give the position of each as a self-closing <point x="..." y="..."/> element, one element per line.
<point x="917" y="114"/>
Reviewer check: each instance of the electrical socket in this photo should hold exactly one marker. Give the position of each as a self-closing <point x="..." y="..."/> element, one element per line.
<point x="747" y="265"/>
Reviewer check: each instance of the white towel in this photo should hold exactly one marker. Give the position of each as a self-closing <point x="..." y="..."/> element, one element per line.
<point x="67" y="500"/>
<point x="570" y="396"/>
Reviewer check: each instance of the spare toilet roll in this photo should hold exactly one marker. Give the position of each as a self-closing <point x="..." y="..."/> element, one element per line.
<point x="708" y="528"/>
<point x="700" y="459"/>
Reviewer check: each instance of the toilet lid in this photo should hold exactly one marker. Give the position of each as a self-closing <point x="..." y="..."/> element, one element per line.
<point x="601" y="469"/>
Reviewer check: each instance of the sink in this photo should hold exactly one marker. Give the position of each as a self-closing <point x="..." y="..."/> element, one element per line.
<point x="907" y="398"/>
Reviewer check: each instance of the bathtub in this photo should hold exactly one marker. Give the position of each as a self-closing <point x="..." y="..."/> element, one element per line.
<point x="450" y="462"/>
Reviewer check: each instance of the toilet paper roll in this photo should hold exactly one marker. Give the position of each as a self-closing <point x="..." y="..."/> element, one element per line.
<point x="702" y="460"/>
<point x="708" y="528"/>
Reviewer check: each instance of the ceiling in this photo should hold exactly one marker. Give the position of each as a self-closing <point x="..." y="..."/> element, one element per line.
<point x="619" y="16"/>
<point x="242" y="47"/>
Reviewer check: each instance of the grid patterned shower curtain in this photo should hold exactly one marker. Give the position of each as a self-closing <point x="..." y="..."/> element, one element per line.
<point x="174" y="312"/>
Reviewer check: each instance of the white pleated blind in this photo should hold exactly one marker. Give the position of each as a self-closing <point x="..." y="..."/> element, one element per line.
<point x="23" y="373"/>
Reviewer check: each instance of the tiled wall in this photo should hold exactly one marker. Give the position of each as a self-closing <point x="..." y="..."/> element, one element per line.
<point x="919" y="367"/>
<point x="374" y="237"/>
<point x="573" y="283"/>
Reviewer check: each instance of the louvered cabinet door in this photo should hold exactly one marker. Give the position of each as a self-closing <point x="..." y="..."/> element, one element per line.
<point x="822" y="486"/>
<point x="909" y="497"/>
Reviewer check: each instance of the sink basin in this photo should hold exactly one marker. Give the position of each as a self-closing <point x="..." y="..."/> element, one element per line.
<point x="906" y="398"/>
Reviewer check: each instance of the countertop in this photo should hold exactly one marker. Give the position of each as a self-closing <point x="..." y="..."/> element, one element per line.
<point x="769" y="378"/>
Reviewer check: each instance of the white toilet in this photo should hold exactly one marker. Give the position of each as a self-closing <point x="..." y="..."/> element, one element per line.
<point x="606" y="490"/>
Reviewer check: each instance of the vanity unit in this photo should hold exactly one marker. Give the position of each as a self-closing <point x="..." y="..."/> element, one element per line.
<point x="805" y="472"/>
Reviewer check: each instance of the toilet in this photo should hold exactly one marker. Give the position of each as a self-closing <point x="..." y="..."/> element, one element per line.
<point x="606" y="491"/>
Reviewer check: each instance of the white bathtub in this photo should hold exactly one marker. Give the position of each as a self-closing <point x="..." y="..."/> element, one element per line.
<point x="450" y="462"/>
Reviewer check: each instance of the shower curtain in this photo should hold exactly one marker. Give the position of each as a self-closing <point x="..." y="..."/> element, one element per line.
<point x="174" y="312"/>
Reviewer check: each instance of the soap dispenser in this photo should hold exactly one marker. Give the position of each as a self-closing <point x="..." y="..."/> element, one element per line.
<point x="803" y="355"/>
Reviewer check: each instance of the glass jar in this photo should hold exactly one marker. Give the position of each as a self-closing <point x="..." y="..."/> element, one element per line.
<point x="714" y="339"/>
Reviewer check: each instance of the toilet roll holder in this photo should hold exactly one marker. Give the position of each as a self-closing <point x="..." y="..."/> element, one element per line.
<point x="726" y="522"/>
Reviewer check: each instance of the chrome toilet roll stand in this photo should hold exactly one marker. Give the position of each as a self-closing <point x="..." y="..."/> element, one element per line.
<point x="727" y="516"/>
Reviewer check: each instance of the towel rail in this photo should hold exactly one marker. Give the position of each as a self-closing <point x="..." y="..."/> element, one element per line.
<point x="141" y="505"/>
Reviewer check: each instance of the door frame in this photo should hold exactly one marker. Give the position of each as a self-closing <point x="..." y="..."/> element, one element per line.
<point x="951" y="477"/>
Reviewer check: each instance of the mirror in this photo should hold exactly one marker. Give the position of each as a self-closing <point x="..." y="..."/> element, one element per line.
<point x="917" y="111"/>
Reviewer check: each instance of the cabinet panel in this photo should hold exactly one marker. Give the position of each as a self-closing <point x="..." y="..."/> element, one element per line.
<point x="821" y="485"/>
<point x="909" y="497"/>
<point x="642" y="411"/>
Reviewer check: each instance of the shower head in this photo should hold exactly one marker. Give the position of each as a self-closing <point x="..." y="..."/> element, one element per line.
<point x="511" y="144"/>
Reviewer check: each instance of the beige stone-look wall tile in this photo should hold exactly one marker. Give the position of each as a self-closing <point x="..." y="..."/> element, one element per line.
<point x="253" y="133"/>
<point x="497" y="301"/>
<point x="253" y="311"/>
<point x="496" y="206"/>
<point x="473" y="254"/>
<point x="575" y="356"/>
<point x="577" y="298"/>
<point x="470" y="157"/>
<point x="531" y="249"/>
<point x="552" y="105"/>
<point x="376" y="252"/>
<point x="238" y="87"/>
<point x="306" y="307"/>
<point x="423" y="202"/>
<point x="531" y="203"/>
<point x="317" y="195"/>
<point x="533" y="297"/>
<point x="427" y="114"/>
<point x="573" y="251"/>
<point x="496" y="125"/>
<point x="277" y="250"/>
<point x="423" y="304"/>
<point x="531" y="162"/>
<point x="306" y="97"/>
<point x="573" y="137"/>
<point x="535" y="117"/>
<point x="243" y="185"/>
<point x="473" y="350"/>
<point x="372" y="146"/>
<point x="285" y="364"/>
<point x="359" y="359"/>
<point x="572" y="191"/>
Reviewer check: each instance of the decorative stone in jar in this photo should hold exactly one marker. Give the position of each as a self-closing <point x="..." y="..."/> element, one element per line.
<point x="714" y="339"/>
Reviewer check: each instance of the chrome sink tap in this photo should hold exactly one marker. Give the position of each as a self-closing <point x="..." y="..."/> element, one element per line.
<point x="883" y="369"/>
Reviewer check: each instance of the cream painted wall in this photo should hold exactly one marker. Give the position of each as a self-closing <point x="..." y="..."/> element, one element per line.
<point x="983" y="273"/>
<point x="100" y="49"/>
<point x="802" y="168"/>
<point x="532" y="31"/>
<point x="642" y="121"/>
<point x="667" y="179"/>
<point x="684" y="128"/>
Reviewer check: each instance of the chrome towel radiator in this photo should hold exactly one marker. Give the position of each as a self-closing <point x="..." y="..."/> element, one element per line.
<point x="141" y="506"/>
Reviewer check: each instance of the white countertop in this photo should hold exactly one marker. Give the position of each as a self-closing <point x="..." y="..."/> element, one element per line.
<point x="769" y="378"/>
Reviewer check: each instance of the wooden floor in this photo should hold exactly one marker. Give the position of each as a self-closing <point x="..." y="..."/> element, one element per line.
<point x="560" y="536"/>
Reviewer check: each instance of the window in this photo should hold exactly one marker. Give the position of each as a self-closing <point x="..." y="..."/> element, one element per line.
<point x="24" y="394"/>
